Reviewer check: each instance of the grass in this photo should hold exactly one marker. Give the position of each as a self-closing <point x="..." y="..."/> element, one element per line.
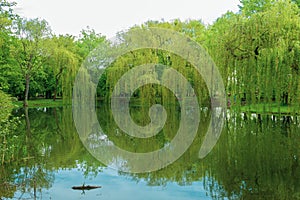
<point x="254" y="108"/>
<point x="270" y="109"/>
<point x="41" y="103"/>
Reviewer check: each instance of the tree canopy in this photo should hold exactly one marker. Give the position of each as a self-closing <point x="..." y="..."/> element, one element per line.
<point x="256" y="51"/>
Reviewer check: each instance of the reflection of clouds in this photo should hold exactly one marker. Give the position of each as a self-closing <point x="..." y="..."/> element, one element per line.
<point x="253" y="116"/>
<point x="168" y="146"/>
<point x="228" y="116"/>
<point x="117" y="132"/>
<point x="218" y="111"/>
<point x="205" y="109"/>
<point x="96" y="140"/>
<point x="46" y="150"/>
<point x="119" y="163"/>
<point x="190" y="110"/>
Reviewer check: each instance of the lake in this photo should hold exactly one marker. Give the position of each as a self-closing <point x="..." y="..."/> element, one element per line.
<point x="254" y="158"/>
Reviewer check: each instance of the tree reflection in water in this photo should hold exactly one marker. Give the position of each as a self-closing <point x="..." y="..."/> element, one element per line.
<point x="256" y="158"/>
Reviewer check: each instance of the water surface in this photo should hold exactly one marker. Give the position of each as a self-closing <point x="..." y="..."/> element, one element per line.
<point x="255" y="158"/>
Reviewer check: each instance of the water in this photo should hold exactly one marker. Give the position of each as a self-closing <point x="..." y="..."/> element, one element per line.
<point x="115" y="187"/>
<point x="253" y="159"/>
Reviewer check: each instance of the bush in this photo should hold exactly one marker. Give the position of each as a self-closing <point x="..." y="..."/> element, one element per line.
<point x="8" y="125"/>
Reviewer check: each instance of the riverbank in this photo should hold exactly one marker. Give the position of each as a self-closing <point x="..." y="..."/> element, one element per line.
<point x="42" y="103"/>
<point x="255" y="108"/>
<point x="273" y="109"/>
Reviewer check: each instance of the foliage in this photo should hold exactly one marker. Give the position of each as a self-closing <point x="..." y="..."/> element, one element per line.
<point x="10" y="75"/>
<point x="250" y="7"/>
<point x="8" y="126"/>
<point x="151" y="93"/>
<point x="297" y="2"/>
<point x="62" y="64"/>
<point x="257" y="51"/>
<point x="88" y="41"/>
<point x="258" y="55"/>
<point x="29" y="52"/>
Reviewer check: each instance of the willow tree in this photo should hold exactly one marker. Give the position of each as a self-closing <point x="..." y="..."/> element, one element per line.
<point x="194" y="29"/>
<point x="29" y="52"/>
<point x="257" y="54"/>
<point x="153" y="93"/>
<point x="249" y="7"/>
<point x="63" y="62"/>
<point x="122" y="65"/>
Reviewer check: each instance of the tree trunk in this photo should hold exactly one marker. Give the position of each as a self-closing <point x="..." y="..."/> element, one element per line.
<point x="55" y="89"/>
<point x="54" y="96"/>
<point x="48" y="94"/>
<point x="27" y="79"/>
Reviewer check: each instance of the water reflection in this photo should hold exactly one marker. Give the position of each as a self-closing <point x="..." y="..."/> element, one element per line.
<point x="258" y="158"/>
<point x="255" y="158"/>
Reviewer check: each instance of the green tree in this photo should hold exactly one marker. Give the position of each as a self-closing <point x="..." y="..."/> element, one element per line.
<point x="10" y="80"/>
<point x="29" y="52"/>
<point x="297" y="2"/>
<point x="258" y="54"/>
<point x="194" y="29"/>
<point x="63" y="62"/>
<point x="89" y="40"/>
<point x="7" y="127"/>
<point x="250" y="7"/>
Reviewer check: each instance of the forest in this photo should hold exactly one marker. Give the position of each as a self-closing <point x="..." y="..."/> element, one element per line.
<point x="257" y="51"/>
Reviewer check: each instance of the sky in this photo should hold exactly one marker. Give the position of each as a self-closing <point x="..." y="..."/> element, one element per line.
<point x="111" y="16"/>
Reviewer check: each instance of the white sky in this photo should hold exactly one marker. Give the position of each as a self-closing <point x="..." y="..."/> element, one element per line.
<point x="110" y="16"/>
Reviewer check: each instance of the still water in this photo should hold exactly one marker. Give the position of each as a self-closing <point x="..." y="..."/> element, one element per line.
<point x="255" y="158"/>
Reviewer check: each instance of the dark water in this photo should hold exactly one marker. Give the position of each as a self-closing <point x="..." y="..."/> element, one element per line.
<point x="253" y="159"/>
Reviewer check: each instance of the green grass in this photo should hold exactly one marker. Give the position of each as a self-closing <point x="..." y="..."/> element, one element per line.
<point x="41" y="103"/>
<point x="270" y="109"/>
<point x="254" y="108"/>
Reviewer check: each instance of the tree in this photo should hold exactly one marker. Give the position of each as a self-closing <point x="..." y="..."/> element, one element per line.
<point x="29" y="52"/>
<point x="250" y="7"/>
<point x="258" y="53"/>
<point x="8" y="126"/>
<point x="194" y="29"/>
<point x="9" y="75"/>
<point x="297" y="2"/>
<point x="88" y="40"/>
<point x="64" y="61"/>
